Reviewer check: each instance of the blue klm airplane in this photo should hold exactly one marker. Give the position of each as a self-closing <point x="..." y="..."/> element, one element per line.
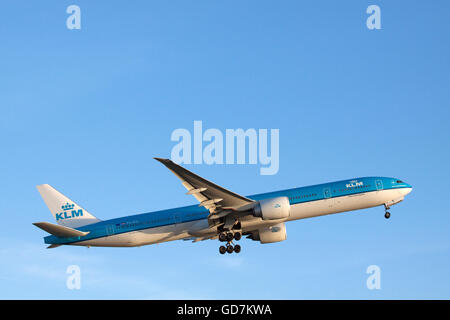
<point x="221" y="214"/>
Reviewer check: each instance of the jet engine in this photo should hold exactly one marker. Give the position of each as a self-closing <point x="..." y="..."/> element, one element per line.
<point x="272" y="209"/>
<point x="274" y="233"/>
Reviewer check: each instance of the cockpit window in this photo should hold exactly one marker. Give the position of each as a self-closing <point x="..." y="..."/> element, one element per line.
<point x="399" y="181"/>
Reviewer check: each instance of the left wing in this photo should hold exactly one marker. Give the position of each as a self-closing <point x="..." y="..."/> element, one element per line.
<point x="197" y="239"/>
<point x="219" y="201"/>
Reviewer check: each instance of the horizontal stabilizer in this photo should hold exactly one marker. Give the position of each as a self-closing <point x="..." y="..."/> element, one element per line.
<point x="59" y="231"/>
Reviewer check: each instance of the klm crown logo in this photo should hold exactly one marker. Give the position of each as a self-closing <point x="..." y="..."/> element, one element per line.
<point x="277" y="205"/>
<point x="68" y="212"/>
<point x="67" y="207"/>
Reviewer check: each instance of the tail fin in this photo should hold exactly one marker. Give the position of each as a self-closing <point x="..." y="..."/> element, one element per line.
<point x="66" y="212"/>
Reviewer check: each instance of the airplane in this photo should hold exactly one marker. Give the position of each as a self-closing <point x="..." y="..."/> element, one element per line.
<point x="220" y="214"/>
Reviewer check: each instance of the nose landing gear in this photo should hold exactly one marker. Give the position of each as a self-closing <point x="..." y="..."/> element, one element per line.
<point x="387" y="214"/>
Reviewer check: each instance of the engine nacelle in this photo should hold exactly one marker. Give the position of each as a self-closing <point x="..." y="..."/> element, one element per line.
<point x="273" y="234"/>
<point x="272" y="209"/>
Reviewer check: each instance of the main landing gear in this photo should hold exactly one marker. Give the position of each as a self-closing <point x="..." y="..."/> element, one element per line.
<point x="228" y="237"/>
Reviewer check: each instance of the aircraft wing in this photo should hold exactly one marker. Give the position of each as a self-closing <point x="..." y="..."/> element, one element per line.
<point x="197" y="239"/>
<point x="219" y="201"/>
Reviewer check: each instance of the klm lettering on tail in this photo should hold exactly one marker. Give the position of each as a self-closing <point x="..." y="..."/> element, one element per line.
<point x="68" y="212"/>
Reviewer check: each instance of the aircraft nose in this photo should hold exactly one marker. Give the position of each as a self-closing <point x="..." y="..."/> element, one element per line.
<point x="406" y="190"/>
<point x="403" y="187"/>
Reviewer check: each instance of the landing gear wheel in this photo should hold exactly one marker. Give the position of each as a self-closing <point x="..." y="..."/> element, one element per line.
<point x="223" y="237"/>
<point x="237" y="248"/>
<point x="387" y="215"/>
<point x="230" y="236"/>
<point x="230" y="249"/>
<point x="222" y="249"/>
<point x="237" y="236"/>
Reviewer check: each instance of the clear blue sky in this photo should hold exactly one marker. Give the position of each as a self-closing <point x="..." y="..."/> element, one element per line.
<point x="87" y="110"/>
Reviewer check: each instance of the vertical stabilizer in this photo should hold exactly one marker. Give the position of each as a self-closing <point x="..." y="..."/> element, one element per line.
<point x="66" y="212"/>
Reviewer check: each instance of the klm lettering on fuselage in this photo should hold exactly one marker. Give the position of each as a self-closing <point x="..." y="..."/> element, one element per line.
<point x="68" y="212"/>
<point x="353" y="184"/>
